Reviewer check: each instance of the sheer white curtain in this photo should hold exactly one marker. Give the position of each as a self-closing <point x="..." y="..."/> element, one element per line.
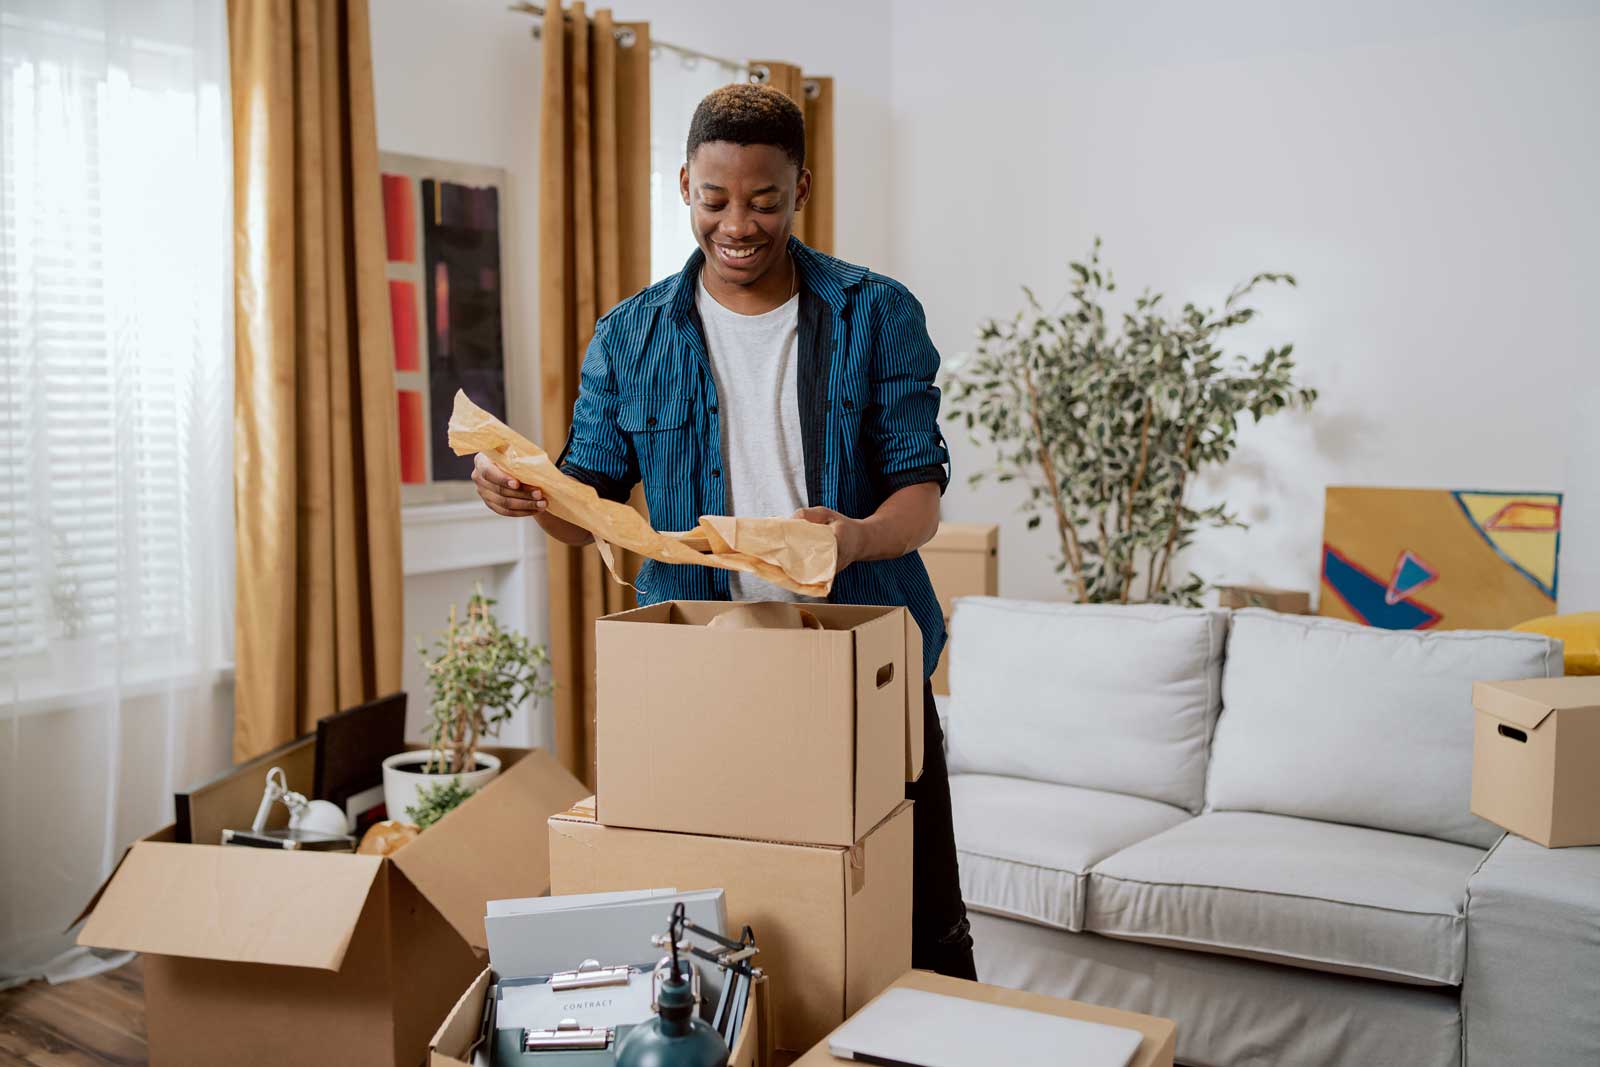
<point x="116" y="543"/>
<point x="677" y="85"/>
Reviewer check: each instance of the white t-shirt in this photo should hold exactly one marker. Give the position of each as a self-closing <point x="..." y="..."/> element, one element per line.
<point x="753" y="362"/>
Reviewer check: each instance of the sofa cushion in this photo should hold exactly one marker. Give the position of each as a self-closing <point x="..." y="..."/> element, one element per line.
<point x="1026" y="847"/>
<point x="1102" y="697"/>
<point x="1329" y="720"/>
<point x="1310" y="894"/>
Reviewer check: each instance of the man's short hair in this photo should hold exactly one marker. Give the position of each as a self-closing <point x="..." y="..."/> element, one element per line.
<point x="749" y="114"/>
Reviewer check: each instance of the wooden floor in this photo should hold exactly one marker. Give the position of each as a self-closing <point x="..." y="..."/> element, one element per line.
<point x="92" y="1021"/>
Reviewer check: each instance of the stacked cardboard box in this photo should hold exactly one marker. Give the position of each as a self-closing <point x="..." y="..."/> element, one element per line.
<point x="257" y="956"/>
<point x="963" y="559"/>
<point x="770" y="763"/>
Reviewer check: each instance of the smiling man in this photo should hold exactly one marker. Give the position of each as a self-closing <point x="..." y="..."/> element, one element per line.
<point x="766" y="378"/>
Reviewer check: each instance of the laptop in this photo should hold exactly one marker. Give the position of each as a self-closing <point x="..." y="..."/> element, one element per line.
<point x="914" y="1028"/>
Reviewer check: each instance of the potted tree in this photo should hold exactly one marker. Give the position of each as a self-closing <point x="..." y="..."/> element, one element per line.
<point x="1109" y="429"/>
<point x="480" y="674"/>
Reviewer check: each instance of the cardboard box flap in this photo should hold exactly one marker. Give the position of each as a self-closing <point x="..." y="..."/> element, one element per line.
<point x="240" y="905"/>
<point x="453" y="1041"/>
<point x="493" y="846"/>
<point x="1518" y="703"/>
<point x="168" y="832"/>
<point x="915" y="681"/>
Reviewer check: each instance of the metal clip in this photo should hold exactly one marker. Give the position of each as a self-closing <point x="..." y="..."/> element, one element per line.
<point x="589" y="975"/>
<point x="566" y="1035"/>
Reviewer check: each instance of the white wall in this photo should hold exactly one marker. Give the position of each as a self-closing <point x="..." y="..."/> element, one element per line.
<point x="1428" y="170"/>
<point x="458" y="80"/>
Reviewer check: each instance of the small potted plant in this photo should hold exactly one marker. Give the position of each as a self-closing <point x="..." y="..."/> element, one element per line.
<point x="480" y="675"/>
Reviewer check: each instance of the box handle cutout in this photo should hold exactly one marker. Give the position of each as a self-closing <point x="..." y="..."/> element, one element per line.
<point x="885" y="674"/>
<point x="1513" y="733"/>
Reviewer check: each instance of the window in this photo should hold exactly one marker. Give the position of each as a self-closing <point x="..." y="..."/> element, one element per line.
<point x="115" y="344"/>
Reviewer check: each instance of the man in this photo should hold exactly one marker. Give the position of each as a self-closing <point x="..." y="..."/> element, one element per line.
<point x="769" y="379"/>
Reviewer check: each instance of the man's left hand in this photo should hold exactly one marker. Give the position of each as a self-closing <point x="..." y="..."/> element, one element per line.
<point x="850" y="533"/>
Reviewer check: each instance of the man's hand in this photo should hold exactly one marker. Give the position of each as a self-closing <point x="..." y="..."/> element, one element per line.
<point x="850" y="533"/>
<point x="503" y="493"/>
<point x="902" y="524"/>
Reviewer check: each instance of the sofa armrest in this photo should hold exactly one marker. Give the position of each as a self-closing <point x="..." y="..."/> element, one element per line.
<point x="1533" y="956"/>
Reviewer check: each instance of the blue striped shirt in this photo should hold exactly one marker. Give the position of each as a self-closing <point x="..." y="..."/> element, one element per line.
<point x="869" y="411"/>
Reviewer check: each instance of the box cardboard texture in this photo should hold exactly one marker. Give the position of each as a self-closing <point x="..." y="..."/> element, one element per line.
<point x="452" y="1044"/>
<point x="833" y="924"/>
<point x="257" y="956"/>
<point x="1535" y="750"/>
<point x="963" y="559"/>
<point x="1157" y="1049"/>
<point x="820" y="725"/>
<point x="1287" y="601"/>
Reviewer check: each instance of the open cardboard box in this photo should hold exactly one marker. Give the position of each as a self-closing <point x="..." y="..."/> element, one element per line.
<point x="452" y="1044"/>
<point x="833" y="924"/>
<point x="257" y="956"/>
<point x="786" y="735"/>
<point x="1158" y="1036"/>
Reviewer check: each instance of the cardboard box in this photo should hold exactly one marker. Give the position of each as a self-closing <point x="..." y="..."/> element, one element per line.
<point x="255" y="956"/>
<point x="815" y="721"/>
<point x="1535" y="750"/>
<point x="833" y="924"/>
<point x="1156" y="1050"/>
<point x="963" y="559"/>
<point x="1288" y="601"/>
<point x="452" y="1043"/>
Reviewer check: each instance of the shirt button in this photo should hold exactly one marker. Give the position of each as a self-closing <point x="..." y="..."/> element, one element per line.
<point x="713" y="409"/>
<point x="650" y="421"/>
<point x="717" y="473"/>
<point x="848" y="405"/>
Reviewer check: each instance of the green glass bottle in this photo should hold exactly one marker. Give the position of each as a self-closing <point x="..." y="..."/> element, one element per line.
<point x="676" y="1037"/>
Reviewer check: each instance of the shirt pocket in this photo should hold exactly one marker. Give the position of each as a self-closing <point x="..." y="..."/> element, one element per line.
<point x="663" y="440"/>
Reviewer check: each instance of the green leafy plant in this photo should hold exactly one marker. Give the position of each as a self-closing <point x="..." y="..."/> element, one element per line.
<point x="1109" y="430"/>
<point x="480" y="675"/>
<point x="434" y="802"/>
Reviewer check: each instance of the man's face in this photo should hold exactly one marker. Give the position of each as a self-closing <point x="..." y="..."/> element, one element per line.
<point x="742" y="202"/>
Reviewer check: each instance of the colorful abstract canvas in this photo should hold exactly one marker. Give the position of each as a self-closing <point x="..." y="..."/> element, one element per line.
<point x="442" y="232"/>
<point x="1418" y="559"/>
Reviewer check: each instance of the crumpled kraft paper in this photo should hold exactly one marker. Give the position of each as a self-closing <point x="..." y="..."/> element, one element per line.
<point x="794" y="554"/>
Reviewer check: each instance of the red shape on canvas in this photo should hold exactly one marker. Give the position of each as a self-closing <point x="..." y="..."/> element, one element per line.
<point x="403" y="320"/>
<point x="399" y="218"/>
<point x="413" y="469"/>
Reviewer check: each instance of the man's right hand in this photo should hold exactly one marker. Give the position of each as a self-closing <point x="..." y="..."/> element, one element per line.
<point x="503" y="493"/>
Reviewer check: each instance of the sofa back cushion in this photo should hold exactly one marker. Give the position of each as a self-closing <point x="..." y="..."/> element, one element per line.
<point x="1349" y="724"/>
<point x="1100" y="696"/>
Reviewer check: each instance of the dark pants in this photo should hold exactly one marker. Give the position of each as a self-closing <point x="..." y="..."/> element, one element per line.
<point x="941" y="939"/>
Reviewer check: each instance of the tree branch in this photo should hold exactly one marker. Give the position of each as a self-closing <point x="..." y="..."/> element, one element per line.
<point x="1064" y="527"/>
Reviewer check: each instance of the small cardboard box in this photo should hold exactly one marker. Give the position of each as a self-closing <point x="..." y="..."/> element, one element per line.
<point x="1156" y="1050"/>
<point x="963" y="559"/>
<point x="809" y="728"/>
<point x="1287" y="601"/>
<point x="1535" y="750"/>
<point x="452" y="1044"/>
<point x="257" y="956"/>
<point x="833" y="924"/>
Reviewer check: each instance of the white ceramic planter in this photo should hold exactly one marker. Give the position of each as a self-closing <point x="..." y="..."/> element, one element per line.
<point x="403" y="779"/>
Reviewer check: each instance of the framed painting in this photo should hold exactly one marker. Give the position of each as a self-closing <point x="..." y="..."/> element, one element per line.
<point x="442" y="226"/>
<point x="1418" y="559"/>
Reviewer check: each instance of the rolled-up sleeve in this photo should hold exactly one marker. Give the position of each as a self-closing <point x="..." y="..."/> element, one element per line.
<point x="904" y="428"/>
<point x="597" y="452"/>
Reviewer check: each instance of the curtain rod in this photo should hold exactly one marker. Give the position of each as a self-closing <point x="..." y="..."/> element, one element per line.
<point x="758" y="73"/>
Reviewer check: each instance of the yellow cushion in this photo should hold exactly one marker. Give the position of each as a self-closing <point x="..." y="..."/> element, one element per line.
<point x="1579" y="632"/>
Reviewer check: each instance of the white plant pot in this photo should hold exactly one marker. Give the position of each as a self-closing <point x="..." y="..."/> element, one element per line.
<point x="403" y="779"/>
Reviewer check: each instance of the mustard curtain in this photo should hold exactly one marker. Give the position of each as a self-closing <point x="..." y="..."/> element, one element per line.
<point x="594" y="249"/>
<point x="316" y="467"/>
<point x="814" y="226"/>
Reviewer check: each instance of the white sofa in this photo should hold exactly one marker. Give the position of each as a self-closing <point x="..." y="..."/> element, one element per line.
<point x="1257" y="825"/>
